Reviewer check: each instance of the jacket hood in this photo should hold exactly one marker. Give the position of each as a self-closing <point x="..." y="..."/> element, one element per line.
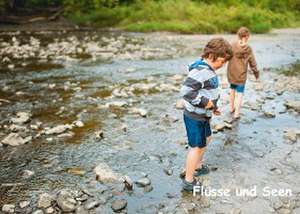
<point x="200" y="63"/>
<point x="242" y="51"/>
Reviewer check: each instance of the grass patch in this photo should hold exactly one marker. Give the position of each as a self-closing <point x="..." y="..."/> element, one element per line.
<point x="187" y="16"/>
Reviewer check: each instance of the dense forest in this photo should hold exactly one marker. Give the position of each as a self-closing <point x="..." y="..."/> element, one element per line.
<point x="186" y="16"/>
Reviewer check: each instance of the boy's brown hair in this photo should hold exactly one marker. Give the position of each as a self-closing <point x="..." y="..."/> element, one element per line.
<point x="243" y="32"/>
<point x="217" y="47"/>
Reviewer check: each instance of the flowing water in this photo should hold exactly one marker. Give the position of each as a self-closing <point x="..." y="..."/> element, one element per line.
<point x="240" y="157"/>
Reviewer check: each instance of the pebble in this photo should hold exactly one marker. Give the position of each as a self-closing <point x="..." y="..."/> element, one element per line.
<point x="269" y="114"/>
<point x="91" y="205"/>
<point x="81" y="210"/>
<point x="148" y="188"/>
<point x="45" y="200"/>
<point x="24" y="204"/>
<point x="142" y="182"/>
<point x="49" y="210"/>
<point x="128" y="182"/>
<point x="118" y="205"/>
<point x="14" y="139"/>
<point x="105" y="174"/>
<point x="38" y="212"/>
<point x="8" y="208"/>
<point x="140" y="111"/>
<point x="168" y="171"/>
<point x="22" y="117"/>
<point x="65" y="200"/>
<point x="27" y="174"/>
<point x="78" y="124"/>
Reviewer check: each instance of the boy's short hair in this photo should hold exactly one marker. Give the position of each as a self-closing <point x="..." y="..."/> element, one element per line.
<point x="217" y="47"/>
<point x="243" y="32"/>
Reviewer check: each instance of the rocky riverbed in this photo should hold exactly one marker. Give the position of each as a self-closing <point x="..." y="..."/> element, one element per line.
<point x="91" y="122"/>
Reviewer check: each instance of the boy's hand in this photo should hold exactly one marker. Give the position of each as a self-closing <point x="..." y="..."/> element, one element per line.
<point x="256" y="76"/>
<point x="217" y="112"/>
<point x="209" y="105"/>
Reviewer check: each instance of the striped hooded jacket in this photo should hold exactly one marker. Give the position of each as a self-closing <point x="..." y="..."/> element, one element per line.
<point x="200" y="86"/>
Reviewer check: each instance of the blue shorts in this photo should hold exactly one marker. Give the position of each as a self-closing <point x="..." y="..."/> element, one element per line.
<point x="238" y="88"/>
<point x="197" y="131"/>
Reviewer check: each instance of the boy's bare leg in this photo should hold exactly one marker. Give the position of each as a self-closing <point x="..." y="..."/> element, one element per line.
<point x="208" y="140"/>
<point x="192" y="160"/>
<point x="239" y="105"/>
<point x="231" y="99"/>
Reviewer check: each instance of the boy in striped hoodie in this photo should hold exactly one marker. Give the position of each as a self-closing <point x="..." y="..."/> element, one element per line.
<point x="200" y="94"/>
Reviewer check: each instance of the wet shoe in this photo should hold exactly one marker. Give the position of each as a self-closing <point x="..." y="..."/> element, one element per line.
<point x="198" y="172"/>
<point x="189" y="186"/>
<point x="204" y="170"/>
<point x="236" y="118"/>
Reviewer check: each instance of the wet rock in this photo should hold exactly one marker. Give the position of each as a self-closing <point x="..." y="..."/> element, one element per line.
<point x="123" y="127"/>
<point x="276" y="170"/>
<point x="38" y="212"/>
<point x="81" y="210"/>
<point x="24" y="204"/>
<point x="8" y="208"/>
<point x="45" y="200"/>
<point x="49" y="210"/>
<point x="27" y="174"/>
<point x="221" y="126"/>
<point x="34" y="126"/>
<point x="11" y="66"/>
<point x="179" y="104"/>
<point x="17" y="128"/>
<point x="118" y="205"/>
<point x="139" y="111"/>
<point x="259" y="86"/>
<point x="284" y="211"/>
<point x="118" y="188"/>
<point x="293" y="105"/>
<point x="148" y="188"/>
<point x="66" y="135"/>
<point x="91" y="205"/>
<point x="52" y="86"/>
<point x="117" y="104"/>
<point x="49" y="139"/>
<point x="14" y="139"/>
<point x="22" y="117"/>
<point x="189" y="207"/>
<point x="105" y="174"/>
<point x="291" y="135"/>
<point x="58" y="129"/>
<point x="78" y="124"/>
<point x="205" y="202"/>
<point x="99" y="134"/>
<point x="82" y="198"/>
<point x="236" y="211"/>
<point x="168" y="171"/>
<point x="65" y="200"/>
<point x="20" y="93"/>
<point x="269" y="114"/>
<point x="76" y="171"/>
<point x="142" y="182"/>
<point x="277" y="203"/>
<point x="128" y="182"/>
